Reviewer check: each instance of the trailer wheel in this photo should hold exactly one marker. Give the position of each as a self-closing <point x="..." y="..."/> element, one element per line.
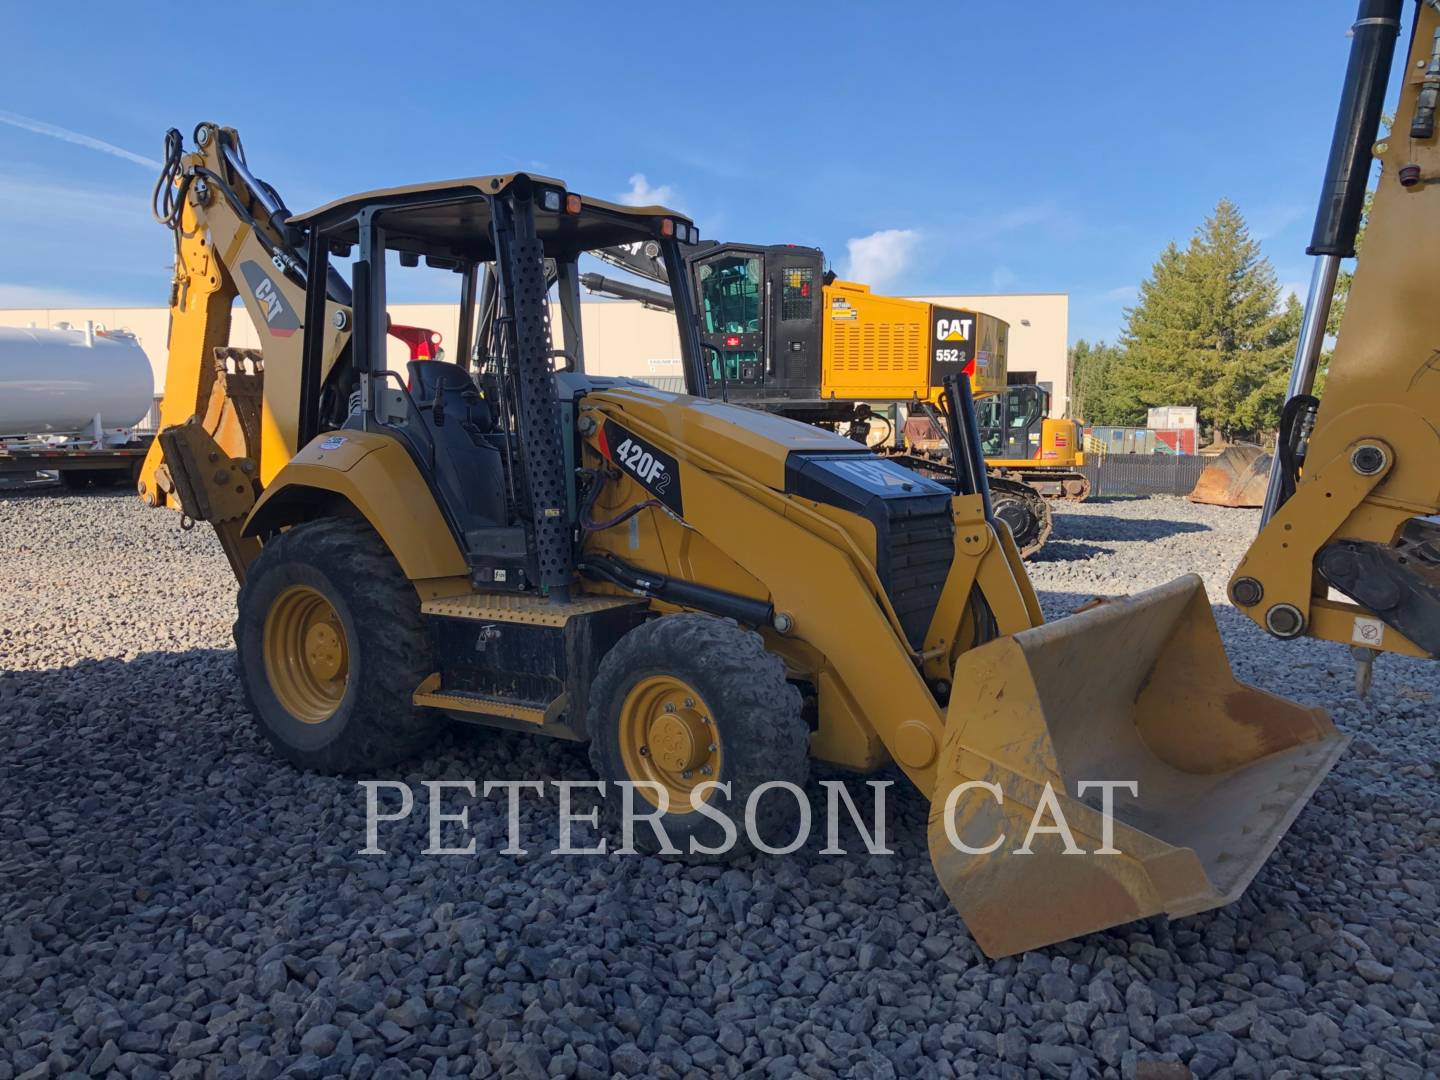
<point x="689" y="698"/>
<point x="331" y="647"/>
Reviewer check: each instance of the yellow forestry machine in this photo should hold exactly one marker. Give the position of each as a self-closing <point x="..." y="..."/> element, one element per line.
<point x="783" y="334"/>
<point x="706" y="592"/>
<point x="831" y="361"/>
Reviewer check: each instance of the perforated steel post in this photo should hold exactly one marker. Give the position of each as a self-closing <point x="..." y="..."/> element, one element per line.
<point x="520" y="259"/>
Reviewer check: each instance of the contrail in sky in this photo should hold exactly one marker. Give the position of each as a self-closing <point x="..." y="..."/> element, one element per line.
<point x="39" y="127"/>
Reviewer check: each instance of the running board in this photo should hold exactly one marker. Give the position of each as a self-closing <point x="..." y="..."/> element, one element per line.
<point x="528" y="609"/>
<point x="429" y="695"/>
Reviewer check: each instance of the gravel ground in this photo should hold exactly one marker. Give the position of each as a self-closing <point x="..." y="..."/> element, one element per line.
<point x="177" y="902"/>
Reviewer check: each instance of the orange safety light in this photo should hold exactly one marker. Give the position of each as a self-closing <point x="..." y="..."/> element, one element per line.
<point x="572" y="204"/>
<point x="667" y="227"/>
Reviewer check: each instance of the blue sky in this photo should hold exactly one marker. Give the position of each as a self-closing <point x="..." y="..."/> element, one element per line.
<point x="947" y="148"/>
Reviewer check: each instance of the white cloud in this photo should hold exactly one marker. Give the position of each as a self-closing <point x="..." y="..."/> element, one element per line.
<point x="642" y="194"/>
<point x="1124" y="293"/>
<point x="39" y="127"/>
<point x="881" y="257"/>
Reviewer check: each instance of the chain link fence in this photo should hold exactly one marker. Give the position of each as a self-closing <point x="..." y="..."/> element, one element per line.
<point x="1144" y="474"/>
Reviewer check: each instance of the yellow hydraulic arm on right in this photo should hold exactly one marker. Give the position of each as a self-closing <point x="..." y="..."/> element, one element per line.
<point x="1344" y="553"/>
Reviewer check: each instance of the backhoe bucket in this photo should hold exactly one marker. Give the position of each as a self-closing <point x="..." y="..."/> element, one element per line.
<point x="1237" y="477"/>
<point x="1136" y="689"/>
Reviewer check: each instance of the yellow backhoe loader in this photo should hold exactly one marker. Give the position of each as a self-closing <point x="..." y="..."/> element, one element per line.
<point x="1349" y="550"/>
<point x="710" y="593"/>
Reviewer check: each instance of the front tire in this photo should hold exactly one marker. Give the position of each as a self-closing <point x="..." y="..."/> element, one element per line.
<point x="331" y="647"/>
<point x="688" y="698"/>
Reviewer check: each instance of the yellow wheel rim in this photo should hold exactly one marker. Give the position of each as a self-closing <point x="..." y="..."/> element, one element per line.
<point x="668" y="737"/>
<point x="307" y="658"/>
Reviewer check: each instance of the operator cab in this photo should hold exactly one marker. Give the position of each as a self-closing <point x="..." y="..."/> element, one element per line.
<point x="1011" y="422"/>
<point x="760" y="311"/>
<point x="487" y="428"/>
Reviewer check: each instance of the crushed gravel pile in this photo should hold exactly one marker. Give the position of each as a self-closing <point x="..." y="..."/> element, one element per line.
<point x="178" y="902"/>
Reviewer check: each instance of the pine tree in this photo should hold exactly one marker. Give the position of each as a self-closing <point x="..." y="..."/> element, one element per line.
<point x="1206" y="331"/>
<point x="1095" y="396"/>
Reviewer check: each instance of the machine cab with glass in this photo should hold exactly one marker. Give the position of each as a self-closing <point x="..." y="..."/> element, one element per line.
<point x="760" y="310"/>
<point x="488" y="429"/>
<point x="1011" y="421"/>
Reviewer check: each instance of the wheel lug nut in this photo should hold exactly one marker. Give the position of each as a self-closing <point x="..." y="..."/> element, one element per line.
<point x="644" y="751"/>
<point x="686" y="774"/>
<point x="705" y="770"/>
<point x="689" y="703"/>
<point x="669" y="706"/>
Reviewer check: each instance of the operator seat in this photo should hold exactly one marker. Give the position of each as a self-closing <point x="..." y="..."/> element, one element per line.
<point x="468" y="465"/>
<point x="430" y="378"/>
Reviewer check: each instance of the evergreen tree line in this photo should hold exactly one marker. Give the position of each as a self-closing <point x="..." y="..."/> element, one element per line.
<point x="1209" y="328"/>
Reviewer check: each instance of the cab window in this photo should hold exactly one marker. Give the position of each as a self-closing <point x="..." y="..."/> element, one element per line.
<point x="730" y="295"/>
<point x="989" y="416"/>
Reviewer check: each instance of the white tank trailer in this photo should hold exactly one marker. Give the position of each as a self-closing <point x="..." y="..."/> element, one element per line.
<point x="58" y="382"/>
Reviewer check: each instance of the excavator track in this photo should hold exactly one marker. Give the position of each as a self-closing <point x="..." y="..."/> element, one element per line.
<point x="1026" y="512"/>
<point x="1066" y="485"/>
<point x="1015" y="502"/>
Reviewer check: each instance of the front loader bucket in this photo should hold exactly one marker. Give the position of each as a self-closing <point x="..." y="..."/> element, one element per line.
<point x="1237" y="477"/>
<point x="1136" y="689"/>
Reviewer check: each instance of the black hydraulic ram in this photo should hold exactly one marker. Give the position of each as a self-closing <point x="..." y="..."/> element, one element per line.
<point x="651" y="298"/>
<point x="727" y="605"/>
<point x="1342" y="198"/>
<point x="1362" y="99"/>
<point x="963" y="434"/>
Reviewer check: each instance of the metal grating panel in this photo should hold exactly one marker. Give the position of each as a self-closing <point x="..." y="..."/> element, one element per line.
<point x="520" y="607"/>
<point x="797" y="299"/>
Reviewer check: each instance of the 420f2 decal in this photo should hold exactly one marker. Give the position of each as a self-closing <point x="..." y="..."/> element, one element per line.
<point x="656" y="471"/>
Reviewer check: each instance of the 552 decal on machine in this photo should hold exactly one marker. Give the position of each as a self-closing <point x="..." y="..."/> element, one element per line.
<point x="652" y="468"/>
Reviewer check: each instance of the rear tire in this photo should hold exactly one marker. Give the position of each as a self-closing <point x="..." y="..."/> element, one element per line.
<point x="714" y="677"/>
<point x="331" y="647"/>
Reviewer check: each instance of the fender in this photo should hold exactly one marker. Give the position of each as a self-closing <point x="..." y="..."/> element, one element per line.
<point x="375" y="475"/>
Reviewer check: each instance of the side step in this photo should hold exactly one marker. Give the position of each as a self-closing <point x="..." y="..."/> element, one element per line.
<point x="525" y="608"/>
<point x="521" y="661"/>
<point x="429" y="695"/>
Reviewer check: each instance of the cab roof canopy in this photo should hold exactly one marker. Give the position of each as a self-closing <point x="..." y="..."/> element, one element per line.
<point x="449" y="220"/>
